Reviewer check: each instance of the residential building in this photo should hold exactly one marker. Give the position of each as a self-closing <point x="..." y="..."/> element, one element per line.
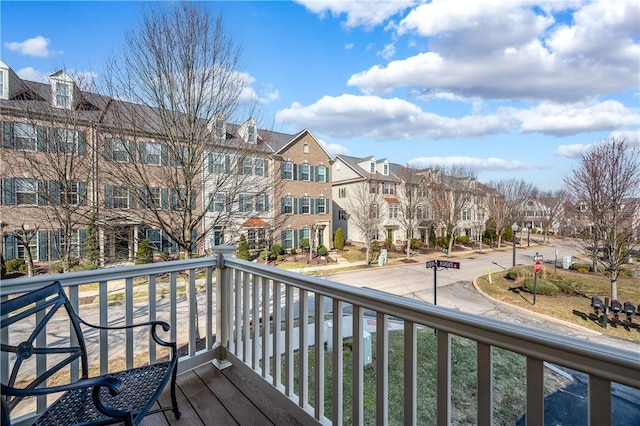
<point x="287" y="195"/>
<point x="82" y="172"/>
<point x="304" y="206"/>
<point x="412" y="202"/>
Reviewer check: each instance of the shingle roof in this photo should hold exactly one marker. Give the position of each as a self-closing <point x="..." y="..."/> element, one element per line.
<point x="95" y="107"/>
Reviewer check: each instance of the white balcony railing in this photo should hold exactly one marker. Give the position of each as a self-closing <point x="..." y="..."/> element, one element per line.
<point x="265" y="321"/>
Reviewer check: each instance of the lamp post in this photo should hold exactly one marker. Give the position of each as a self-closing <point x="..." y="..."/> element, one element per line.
<point x="514" y="228"/>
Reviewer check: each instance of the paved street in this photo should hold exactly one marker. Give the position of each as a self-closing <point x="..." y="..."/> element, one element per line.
<point x="456" y="290"/>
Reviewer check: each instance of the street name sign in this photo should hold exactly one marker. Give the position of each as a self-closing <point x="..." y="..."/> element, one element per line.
<point x="448" y="264"/>
<point x="431" y="264"/>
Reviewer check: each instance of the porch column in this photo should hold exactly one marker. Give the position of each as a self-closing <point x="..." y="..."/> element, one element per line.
<point x="224" y="296"/>
<point x="135" y="243"/>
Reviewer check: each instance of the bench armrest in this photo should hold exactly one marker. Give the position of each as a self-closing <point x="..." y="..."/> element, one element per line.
<point x="153" y="324"/>
<point x="114" y="385"/>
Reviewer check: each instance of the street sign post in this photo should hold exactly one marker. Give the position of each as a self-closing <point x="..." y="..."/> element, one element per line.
<point x="435" y="264"/>
<point x="536" y="269"/>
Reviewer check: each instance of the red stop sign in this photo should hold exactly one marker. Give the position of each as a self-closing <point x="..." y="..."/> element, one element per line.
<point x="536" y="268"/>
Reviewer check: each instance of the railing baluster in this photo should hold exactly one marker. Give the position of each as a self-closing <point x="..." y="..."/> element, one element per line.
<point x="173" y="300"/>
<point x="289" y="322"/>
<point x="265" y="311"/>
<point x="382" y="369"/>
<point x="358" y="367"/>
<point x="319" y="357"/>
<point x="277" y="325"/>
<point x="484" y="384"/>
<point x="410" y="373"/>
<point x="152" y="315"/>
<point x="209" y="309"/>
<point x="535" y="392"/>
<point x="444" y="378"/>
<point x="246" y="344"/>
<point x="128" y="320"/>
<point x="193" y="311"/>
<point x="255" y="315"/>
<point x="599" y="392"/>
<point x="338" y="362"/>
<point x="104" y="321"/>
<point x="237" y="325"/>
<point x="303" y="353"/>
<point x="230" y="290"/>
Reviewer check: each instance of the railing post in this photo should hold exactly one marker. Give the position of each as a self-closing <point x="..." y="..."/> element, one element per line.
<point x="223" y="306"/>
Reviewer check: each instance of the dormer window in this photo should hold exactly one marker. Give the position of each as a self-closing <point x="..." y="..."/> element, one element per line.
<point x="385" y="169"/>
<point x="252" y="134"/>
<point x="4" y="86"/>
<point x="219" y="126"/>
<point x="372" y="167"/>
<point x="62" y="95"/>
<point x="62" y="90"/>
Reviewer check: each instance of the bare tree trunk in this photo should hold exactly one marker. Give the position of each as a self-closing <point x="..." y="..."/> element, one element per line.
<point x="25" y="237"/>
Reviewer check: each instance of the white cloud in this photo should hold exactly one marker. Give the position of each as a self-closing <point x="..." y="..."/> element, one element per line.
<point x="251" y="94"/>
<point x="473" y="163"/>
<point x="576" y="150"/>
<point x="506" y="50"/>
<point x="359" y="13"/>
<point x="572" y="151"/>
<point x="349" y="116"/>
<point x="388" y="51"/>
<point x="31" y="74"/>
<point x="349" y="46"/>
<point x="36" y="46"/>
<point x="354" y="116"/>
<point x="562" y="120"/>
<point x="334" y="148"/>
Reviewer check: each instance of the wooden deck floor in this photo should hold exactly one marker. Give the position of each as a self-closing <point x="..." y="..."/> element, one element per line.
<point x="207" y="396"/>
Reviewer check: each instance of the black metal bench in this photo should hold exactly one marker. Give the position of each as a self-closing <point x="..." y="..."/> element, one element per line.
<point x="125" y="397"/>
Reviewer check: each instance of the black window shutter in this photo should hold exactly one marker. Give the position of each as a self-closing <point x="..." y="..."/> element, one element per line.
<point x="7" y="134"/>
<point x="9" y="192"/>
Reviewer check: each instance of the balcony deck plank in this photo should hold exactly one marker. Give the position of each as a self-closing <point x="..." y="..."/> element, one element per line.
<point x="208" y="396"/>
<point x="274" y="412"/>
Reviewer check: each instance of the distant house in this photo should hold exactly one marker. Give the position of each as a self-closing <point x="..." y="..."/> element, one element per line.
<point x="413" y="202"/>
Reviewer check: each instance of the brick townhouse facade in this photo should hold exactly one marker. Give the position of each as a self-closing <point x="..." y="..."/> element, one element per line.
<point x="69" y="166"/>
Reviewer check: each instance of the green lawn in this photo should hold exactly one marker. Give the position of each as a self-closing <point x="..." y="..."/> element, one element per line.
<point x="582" y="285"/>
<point x="509" y="389"/>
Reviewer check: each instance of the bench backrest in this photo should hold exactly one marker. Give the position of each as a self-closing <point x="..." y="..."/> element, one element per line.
<point x="41" y="338"/>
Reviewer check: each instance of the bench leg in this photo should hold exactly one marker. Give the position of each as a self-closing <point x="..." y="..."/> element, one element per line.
<point x="174" y="399"/>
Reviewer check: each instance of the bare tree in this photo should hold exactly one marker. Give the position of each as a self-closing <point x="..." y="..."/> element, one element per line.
<point x="554" y="203"/>
<point x="413" y="199"/>
<point x="607" y="182"/>
<point x="452" y="195"/>
<point x="364" y="210"/>
<point x="507" y="208"/>
<point x="169" y="142"/>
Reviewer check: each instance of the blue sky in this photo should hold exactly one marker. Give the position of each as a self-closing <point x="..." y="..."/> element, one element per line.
<point x="509" y="88"/>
